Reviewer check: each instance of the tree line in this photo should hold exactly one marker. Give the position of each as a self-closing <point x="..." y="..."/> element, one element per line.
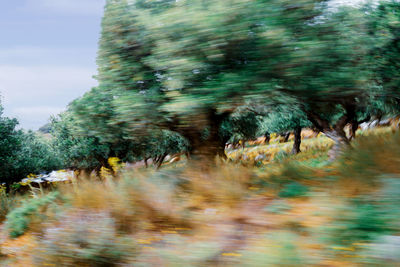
<point x="23" y="153"/>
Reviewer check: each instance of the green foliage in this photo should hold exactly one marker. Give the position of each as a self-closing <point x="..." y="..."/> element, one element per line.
<point x="10" y="143"/>
<point x="23" y="153"/>
<point x="372" y="218"/>
<point x="181" y="67"/>
<point x="293" y="189"/>
<point x="241" y="125"/>
<point x="36" y="155"/>
<point x="84" y="150"/>
<point x="183" y="62"/>
<point x="163" y="143"/>
<point x="360" y="221"/>
<point x="389" y="199"/>
<point x="73" y="150"/>
<point x="284" y="118"/>
<point x="19" y="220"/>
<point x="384" y="27"/>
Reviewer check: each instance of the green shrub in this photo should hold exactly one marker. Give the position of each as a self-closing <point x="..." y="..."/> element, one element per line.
<point x="22" y="153"/>
<point x="360" y="221"/>
<point x="389" y="200"/>
<point x="18" y="221"/>
<point x="293" y="189"/>
<point x="83" y="238"/>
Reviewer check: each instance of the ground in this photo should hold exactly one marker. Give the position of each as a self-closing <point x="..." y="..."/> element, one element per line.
<point x="276" y="210"/>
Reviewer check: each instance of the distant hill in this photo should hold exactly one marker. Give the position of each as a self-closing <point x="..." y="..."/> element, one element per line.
<point x="46" y="129"/>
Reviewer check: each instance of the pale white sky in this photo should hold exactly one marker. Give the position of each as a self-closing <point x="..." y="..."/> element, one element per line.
<point x="47" y="55"/>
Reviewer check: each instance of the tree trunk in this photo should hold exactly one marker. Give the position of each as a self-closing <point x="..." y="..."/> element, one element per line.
<point x="156" y="158"/>
<point x="353" y="129"/>
<point x="214" y="145"/>
<point x="97" y="170"/>
<point x="341" y="141"/>
<point x="354" y="126"/>
<point x="160" y="161"/>
<point x="297" y="140"/>
<point x="285" y="136"/>
<point x="267" y="137"/>
<point x="336" y="133"/>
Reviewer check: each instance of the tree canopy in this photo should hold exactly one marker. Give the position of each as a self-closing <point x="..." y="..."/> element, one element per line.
<point x="187" y="67"/>
<point x="23" y="153"/>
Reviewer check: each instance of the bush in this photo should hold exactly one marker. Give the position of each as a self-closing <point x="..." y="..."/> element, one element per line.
<point x="36" y="155"/>
<point x="83" y="238"/>
<point x="293" y="189"/>
<point x="22" y="153"/>
<point x="19" y="220"/>
<point x="359" y="222"/>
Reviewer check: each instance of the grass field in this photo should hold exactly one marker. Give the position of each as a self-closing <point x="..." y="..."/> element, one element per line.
<point x="278" y="210"/>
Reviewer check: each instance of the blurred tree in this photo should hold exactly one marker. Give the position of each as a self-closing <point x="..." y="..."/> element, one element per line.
<point x="36" y="155"/>
<point x="77" y="152"/>
<point x="242" y="125"/>
<point x="384" y="27"/>
<point x="23" y="153"/>
<point x="84" y="150"/>
<point x="10" y="143"/>
<point x="330" y="75"/>
<point x="186" y="66"/>
<point x="123" y="112"/>
<point x="287" y="118"/>
<point x="190" y="63"/>
<point x="216" y="54"/>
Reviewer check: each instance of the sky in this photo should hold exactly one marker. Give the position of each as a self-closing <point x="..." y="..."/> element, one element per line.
<point x="47" y="55"/>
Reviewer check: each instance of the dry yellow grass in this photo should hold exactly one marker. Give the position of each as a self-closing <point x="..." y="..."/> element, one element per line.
<point x="229" y="215"/>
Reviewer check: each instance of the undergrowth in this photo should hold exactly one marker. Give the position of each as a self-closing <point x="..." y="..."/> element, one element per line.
<point x="295" y="210"/>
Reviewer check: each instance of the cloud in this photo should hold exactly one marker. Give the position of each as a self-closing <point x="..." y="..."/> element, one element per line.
<point x="33" y="93"/>
<point x="68" y="7"/>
